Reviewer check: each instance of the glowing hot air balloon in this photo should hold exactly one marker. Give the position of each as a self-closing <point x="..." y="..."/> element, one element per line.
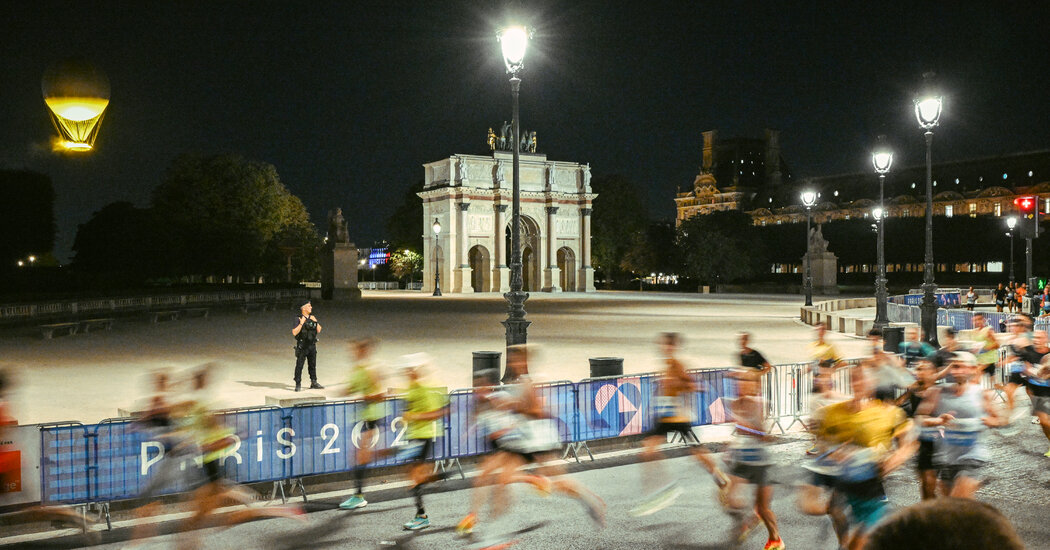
<point x="76" y="94"/>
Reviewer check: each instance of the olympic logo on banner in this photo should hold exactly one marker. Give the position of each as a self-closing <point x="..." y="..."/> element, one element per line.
<point x="620" y="403"/>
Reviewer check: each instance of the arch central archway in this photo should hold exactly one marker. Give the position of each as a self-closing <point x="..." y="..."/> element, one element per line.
<point x="530" y="253"/>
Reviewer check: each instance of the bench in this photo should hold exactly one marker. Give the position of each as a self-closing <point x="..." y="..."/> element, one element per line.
<point x="255" y="306"/>
<point x="87" y="324"/>
<point x="157" y="316"/>
<point x="197" y="312"/>
<point x="48" y="331"/>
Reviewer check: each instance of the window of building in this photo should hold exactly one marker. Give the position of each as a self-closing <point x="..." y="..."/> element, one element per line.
<point x="998" y="209"/>
<point x="1047" y="202"/>
<point x="948" y="210"/>
<point x="994" y="267"/>
<point x="780" y="222"/>
<point x="906" y="212"/>
<point x="973" y="209"/>
<point x="847" y="216"/>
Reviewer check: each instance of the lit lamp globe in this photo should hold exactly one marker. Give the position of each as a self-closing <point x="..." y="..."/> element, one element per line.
<point x="928" y="111"/>
<point x="76" y="94"/>
<point x="882" y="159"/>
<point x="513" y="41"/>
<point x="809" y="198"/>
<point x="1011" y="222"/>
<point x="877" y="213"/>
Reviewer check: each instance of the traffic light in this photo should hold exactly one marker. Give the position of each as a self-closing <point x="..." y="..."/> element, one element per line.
<point x="1028" y="211"/>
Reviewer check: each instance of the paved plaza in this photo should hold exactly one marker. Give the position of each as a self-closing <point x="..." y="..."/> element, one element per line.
<point x="88" y="377"/>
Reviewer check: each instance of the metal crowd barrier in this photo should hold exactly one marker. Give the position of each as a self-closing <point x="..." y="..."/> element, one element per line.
<point x="117" y="458"/>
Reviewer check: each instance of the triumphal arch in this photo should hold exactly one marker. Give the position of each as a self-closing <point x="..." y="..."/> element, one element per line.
<point x="470" y="197"/>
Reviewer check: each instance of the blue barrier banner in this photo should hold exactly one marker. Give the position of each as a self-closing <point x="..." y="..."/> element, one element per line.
<point x="709" y="402"/>
<point x="254" y="455"/>
<point x="559" y="402"/>
<point x="64" y="464"/>
<point x="613" y="407"/>
<point x="464" y="437"/>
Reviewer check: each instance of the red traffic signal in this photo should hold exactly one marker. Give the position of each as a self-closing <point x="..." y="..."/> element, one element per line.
<point x="1026" y="205"/>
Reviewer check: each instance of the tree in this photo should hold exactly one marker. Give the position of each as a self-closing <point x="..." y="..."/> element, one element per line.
<point x="121" y="242"/>
<point x="721" y="247"/>
<point x="225" y="215"/>
<point x="617" y="222"/>
<point x="27" y="219"/>
<point x="405" y="225"/>
<point x="405" y="263"/>
<point x="652" y="251"/>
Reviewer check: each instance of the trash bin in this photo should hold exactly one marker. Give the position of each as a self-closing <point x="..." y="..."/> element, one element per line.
<point x="606" y="366"/>
<point x="486" y="368"/>
<point x="892" y="338"/>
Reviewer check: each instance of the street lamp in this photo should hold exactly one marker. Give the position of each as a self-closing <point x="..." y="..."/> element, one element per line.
<point x="809" y="198"/>
<point x="1011" y="223"/>
<point x="514" y="41"/>
<point x="928" y="112"/>
<point x="881" y="159"/>
<point x="437" y="265"/>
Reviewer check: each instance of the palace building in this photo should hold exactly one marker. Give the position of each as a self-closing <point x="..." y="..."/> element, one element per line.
<point x="750" y="175"/>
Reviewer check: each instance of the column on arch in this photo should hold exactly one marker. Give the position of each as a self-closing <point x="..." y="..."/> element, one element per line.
<point x="585" y="281"/>
<point x="551" y="273"/>
<point x="461" y="264"/>
<point x="500" y="270"/>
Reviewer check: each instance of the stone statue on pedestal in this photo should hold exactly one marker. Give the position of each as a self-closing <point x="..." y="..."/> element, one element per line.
<point x="339" y="261"/>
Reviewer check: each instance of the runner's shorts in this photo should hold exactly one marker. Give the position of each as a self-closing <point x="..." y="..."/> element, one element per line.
<point x="965" y="468"/>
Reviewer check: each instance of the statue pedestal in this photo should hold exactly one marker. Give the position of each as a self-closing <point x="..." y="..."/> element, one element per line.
<point x="825" y="271"/>
<point x="339" y="272"/>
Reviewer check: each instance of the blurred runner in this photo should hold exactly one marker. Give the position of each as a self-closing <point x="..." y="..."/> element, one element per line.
<point x="365" y="381"/>
<point x="929" y="436"/>
<point x="963" y="410"/>
<point x="425" y="408"/>
<point x="987" y="346"/>
<point x="873" y="438"/>
<point x="815" y="494"/>
<point x="750" y="458"/>
<point x="673" y="415"/>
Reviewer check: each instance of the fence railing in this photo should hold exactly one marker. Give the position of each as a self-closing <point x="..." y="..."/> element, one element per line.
<point x="959" y="319"/>
<point x="130" y="304"/>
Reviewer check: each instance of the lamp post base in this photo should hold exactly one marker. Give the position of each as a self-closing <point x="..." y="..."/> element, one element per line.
<point x="928" y="313"/>
<point x="882" y="319"/>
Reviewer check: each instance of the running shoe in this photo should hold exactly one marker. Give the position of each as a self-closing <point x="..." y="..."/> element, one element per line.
<point x="419" y="522"/>
<point x="744" y="529"/>
<point x="1035" y="420"/>
<point x="466" y="525"/>
<point x="1046" y="454"/>
<point x="595" y="508"/>
<point x="658" y="501"/>
<point x="774" y="545"/>
<point x="356" y="501"/>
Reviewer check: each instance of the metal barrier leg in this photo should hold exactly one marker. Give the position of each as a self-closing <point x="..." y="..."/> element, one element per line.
<point x="298" y="482"/>
<point x="278" y="486"/>
<point x="444" y="466"/>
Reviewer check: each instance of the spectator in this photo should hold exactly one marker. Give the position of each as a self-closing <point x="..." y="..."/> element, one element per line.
<point x="1000" y="298"/>
<point x="971" y="299"/>
<point x="945" y="524"/>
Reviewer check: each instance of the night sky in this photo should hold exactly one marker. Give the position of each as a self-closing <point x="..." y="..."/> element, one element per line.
<point x="349" y="99"/>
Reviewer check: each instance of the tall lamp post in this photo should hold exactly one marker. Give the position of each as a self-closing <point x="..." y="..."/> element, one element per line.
<point x="928" y="113"/>
<point x="513" y="41"/>
<point x="437" y="264"/>
<point x="809" y="198"/>
<point x="881" y="159"/>
<point x="1011" y="223"/>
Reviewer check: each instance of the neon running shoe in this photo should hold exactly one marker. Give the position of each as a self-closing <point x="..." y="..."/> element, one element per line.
<point x="774" y="545"/>
<point x="466" y="525"/>
<point x="1046" y="454"/>
<point x="356" y="501"/>
<point x="419" y="522"/>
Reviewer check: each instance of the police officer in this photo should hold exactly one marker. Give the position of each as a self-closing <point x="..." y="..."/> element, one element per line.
<point x="305" y="331"/>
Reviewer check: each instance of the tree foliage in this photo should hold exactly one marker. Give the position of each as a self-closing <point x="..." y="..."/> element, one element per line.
<point x="721" y="247"/>
<point x="404" y="263"/>
<point x="221" y="216"/>
<point x="618" y="223"/>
